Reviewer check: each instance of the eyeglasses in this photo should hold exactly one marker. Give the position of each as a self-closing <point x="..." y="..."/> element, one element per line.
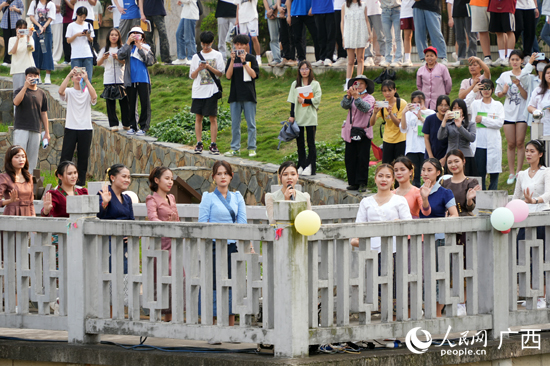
<point x="304" y="69"/>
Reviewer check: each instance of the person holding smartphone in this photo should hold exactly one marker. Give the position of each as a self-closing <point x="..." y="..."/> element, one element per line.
<point x="12" y="13"/>
<point x="79" y="34"/>
<point x="20" y="48"/>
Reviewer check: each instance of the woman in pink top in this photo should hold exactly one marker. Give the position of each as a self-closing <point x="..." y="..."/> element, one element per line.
<point x="404" y="172"/>
<point x="433" y="79"/>
<point x="161" y="206"/>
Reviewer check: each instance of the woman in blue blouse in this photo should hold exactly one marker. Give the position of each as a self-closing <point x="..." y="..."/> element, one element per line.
<point x="222" y="206"/>
<point x="113" y="205"/>
<point x="441" y="202"/>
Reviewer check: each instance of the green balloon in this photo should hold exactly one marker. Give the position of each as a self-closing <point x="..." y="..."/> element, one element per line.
<point x="502" y="219"/>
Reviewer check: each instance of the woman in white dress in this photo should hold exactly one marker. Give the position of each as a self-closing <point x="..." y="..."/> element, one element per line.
<point x="356" y="34"/>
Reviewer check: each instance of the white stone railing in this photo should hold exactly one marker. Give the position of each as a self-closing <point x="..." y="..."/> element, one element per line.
<point x="283" y="283"/>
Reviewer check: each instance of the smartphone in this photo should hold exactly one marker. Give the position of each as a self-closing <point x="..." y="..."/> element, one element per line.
<point x="383" y="104"/>
<point x="356" y="84"/>
<point x="107" y="53"/>
<point x="456" y="114"/>
<point x="239" y="52"/>
<point x="416" y="107"/>
<point x="540" y="56"/>
<point x="203" y="62"/>
<point x="24" y="32"/>
<point x="513" y="77"/>
<point x="34" y="81"/>
<point x="137" y="36"/>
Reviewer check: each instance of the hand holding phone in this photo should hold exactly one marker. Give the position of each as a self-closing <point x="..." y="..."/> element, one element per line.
<point x="540" y="56"/>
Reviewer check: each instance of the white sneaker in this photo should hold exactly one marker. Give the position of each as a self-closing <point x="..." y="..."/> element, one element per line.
<point x="455" y="64"/>
<point x="497" y="62"/>
<point x="384" y="63"/>
<point x="328" y="62"/>
<point x="444" y="61"/>
<point x="300" y="170"/>
<point x="395" y="64"/>
<point x="541" y="303"/>
<point x="179" y="62"/>
<point x="259" y="59"/>
<point x="5" y="64"/>
<point x="307" y="170"/>
<point x="488" y="61"/>
<point x="369" y="62"/>
<point x="407" y="63"/>
<point x="461" y="310"/>
<point x="455" y="56"/>
<point x="318" y="63"/>
<point x="342" y="61"/>
<point x="47" y="80"/>
<point x="506" y="62"/>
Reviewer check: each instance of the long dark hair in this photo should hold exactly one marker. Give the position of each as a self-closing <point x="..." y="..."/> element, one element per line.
<point x="156" y="173"/>
<point x="462" y="105"/>
<point x="405" y="161"/>
<point x="108" y="40"/>
<point x="349" y="2"/>
<point x="390" y="84"/>
<point x="436" y="164"/>
<point x="539" y="146"/>
<point x="114" y="170"/>
<point x="543" y="83"/>
<point x="8" y="166"/>
<point x="34" y="10"/>
<point x="62" y="167"/>
<point x="223" y="163"/>
<point x="440" y="100"/>
<point x="310" y="77"/>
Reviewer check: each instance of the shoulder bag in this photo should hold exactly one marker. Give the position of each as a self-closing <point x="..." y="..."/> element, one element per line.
<point x="216" y="80"/>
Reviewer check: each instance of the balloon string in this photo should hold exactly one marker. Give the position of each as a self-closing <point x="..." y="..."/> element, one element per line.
<point x="279" y="231"/>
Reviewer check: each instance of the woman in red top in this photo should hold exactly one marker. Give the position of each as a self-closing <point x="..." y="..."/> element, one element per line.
<point x="55" y="200"/>
<point x="16" y="188"/>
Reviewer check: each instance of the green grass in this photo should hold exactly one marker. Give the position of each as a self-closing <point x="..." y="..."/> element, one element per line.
<point x="171" y="92"/>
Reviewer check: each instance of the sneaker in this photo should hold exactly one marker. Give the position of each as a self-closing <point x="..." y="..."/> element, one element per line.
<point x="455" y="56"/>
<point x="369" y="62"/>
<point x="318" y="63"/>
<point x="198" y="148"/>
<point x="488" y="61"/>
<point x="140" y="133"/>
<point x="395" y="64"/>
<point x="511" y="179"/>
<point x="407" y="63"/>
<point x="352" y="188"/>
<point x="214" y="343"/>
<point x="5" y="64"/>
<point x="377" y="60"/>
<point x="307" y="170"/>
<point x="178" y="62"/>
<point x="497" y="62"/>
<point x="328" y="62"/>
<point x="251" y="153"/>
<point x="259" y="59"/>
<point x="342" y="61"/>
<point x="384" y="63"/>
<point x="47" y="80"/>
<point x="506" y="62"/>
<point x="455" y="64"/>
<point x="300" y="170"/>
<point x="274" y="63"/>
<point x="131" y="131"/>
<point x="291" y="63"/>
<point x="362" y="188"/>
<point x="280" y="64"/>
<point x="541" y="303"/>
<point x="232" y="153"/>
<point x="444" y="61"/>
<point x="461" y="310"/>
<point x="213" y="149"/>
<point x="64" y="63"/>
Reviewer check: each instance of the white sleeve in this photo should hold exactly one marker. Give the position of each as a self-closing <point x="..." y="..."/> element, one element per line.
<point x="51" y="10"/>
<point x="32" y="9"/>
<point x="362" y="215"/>
<point x="535" y="98"/>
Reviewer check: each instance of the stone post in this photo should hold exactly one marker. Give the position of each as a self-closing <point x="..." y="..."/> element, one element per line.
<point x="493" y="279"/>
<point x="80" y="266"/>
<point x="291" y="284"/>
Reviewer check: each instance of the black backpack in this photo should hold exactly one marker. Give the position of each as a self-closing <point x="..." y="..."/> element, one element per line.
<point x="199" y="5"/>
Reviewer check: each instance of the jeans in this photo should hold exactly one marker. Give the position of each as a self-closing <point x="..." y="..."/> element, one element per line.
<point x="326" y="34"/>
<point x="273" y="26"/>
<point x="481" y="165"/>
<point x="462" y="31"/>
<point x="249" y="109"/>
<point x="545" y="33"/>
<point x="430" y="21"/>
<point x="391" y="17"/>
<point x="43" y="61"/>
<point x="81" y="140"/>
<point x="185" y="38"/>
<point x="375" y="22"/>
<point x="88" y="63"/>
<point x="30" y="141"/>
<point x="159" y="22"/>
<point x="311" y="159"/>
<point x="224" y="25"/>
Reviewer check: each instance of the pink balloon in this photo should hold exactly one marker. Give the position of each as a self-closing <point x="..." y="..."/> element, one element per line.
<point x="519" y="208"/>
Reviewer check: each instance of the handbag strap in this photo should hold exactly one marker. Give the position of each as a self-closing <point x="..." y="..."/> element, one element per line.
<point x="226" y="202"/>
<point x="210" y="72"/>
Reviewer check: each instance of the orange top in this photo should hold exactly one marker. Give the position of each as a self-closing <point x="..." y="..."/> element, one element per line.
<point x="415" y="201"/>
<point x="479" y="3"/>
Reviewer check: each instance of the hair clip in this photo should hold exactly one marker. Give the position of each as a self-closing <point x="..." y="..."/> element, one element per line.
<point x="16" y="147"/>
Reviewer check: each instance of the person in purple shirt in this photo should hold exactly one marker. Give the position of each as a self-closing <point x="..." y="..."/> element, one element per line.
<point x="433" y="79"/>
<point x="323" y="13"/>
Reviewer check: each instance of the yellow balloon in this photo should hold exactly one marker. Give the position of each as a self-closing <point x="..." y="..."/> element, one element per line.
<point x="307" y="222"/>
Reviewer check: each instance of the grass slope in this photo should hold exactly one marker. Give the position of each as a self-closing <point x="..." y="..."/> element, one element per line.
<point x="171" y="92"/>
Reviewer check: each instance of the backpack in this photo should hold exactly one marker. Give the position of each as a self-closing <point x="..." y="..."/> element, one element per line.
<point x="199" y="5"/>
<point x="289" y="132"/>
<point x="398" y="101"/>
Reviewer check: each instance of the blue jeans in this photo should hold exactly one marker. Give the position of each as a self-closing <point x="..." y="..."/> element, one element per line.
<point x="375" y="22"/>
<point x="43" y="61"/>
<point x="545" y="33"/>
<point x="88" y="63"/>
<point x="249" y="109"/>
<point x="391" y="17"/>
<point x="481" y="165"/>
<point x="273" y="26"/>
<point x="185" y="38"/>
<point x="430" y="21"/>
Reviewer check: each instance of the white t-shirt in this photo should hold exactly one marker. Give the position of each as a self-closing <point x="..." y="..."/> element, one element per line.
<point x="204" y="86"/>
<point x="396" y="208"/>
<point x="338" y="4"/>
<point x="86" y="4"/>
<point x="22" y="59"/>
<point x="80" y="48"/>
<point x="514" y="105"/>
<point x="415" y="138"/>
<point x="406" y="9"/>
<point x="373" y="7"/>
<point x="248" y="10"/>
<point x="58" y="17"/>
<point x="41" y="13"/>
<point x="79" y="109"/>
<point x="542" y="103"/>
<point x="114" y="70"/>
<point x="189" y="10"/>
<point x="526" y="4"/>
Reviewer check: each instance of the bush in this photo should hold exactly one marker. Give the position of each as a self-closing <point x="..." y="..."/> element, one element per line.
<point x="330" y="158"/>
<point x="180" y="129"/>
